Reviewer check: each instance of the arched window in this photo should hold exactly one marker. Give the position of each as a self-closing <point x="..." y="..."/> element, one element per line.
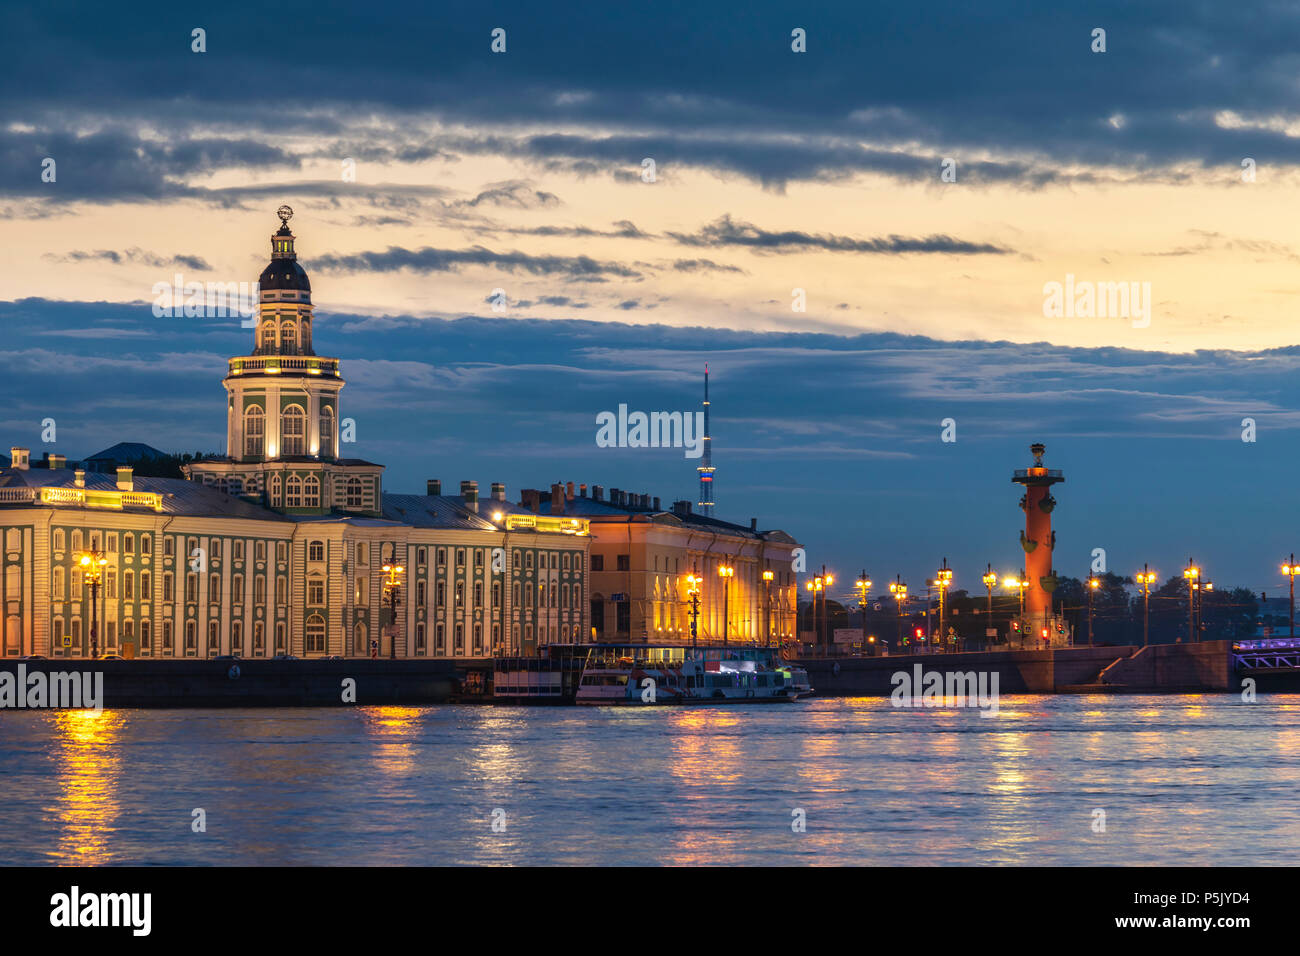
<point x="289" y="337"/>
<point x="359" y="639"/>
<point x="315" y="634"/>
<point x="275" y="490"/>
<point x="59" y="539"/>
<point x="293" y="431"/>
<point x="268" y="336"/>
<point x="311" y="492"/>
<point x="254" y="431"/>
<point x="327" y="431"/>
<point x="293" y="492"/>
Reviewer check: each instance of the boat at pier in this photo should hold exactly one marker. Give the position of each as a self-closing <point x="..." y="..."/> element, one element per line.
<point x="672" y="674"/>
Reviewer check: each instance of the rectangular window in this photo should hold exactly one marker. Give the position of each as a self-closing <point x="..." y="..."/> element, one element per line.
<point x="624" y="562"/>
<point x="237" y="551"/>
<point x="598" y="562"/>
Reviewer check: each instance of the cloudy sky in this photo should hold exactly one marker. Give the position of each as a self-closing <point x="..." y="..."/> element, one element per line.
<point x="1169" y="160"/>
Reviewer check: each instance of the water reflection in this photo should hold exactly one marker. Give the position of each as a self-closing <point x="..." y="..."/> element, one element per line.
<point x="87" y="809"/>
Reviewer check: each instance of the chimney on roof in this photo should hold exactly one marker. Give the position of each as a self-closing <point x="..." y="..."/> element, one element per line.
<point x="597" y="493"/>
<point x="55" y="461"/>
<point x="531" y="499"/>
<point x="433" y="486"/>
<point x="125" y="481"/>
<point x="582" y="490"/>
<point x="498" y="491"/>
<point x="753" y="524"/>
<point x="557" y="499"/>
<point x="469" y="491"/>
<point x="19" y="458"/>
<point x="79" y="478"/>
<point x="568" y="491"/>
<point x="656" y="501"/>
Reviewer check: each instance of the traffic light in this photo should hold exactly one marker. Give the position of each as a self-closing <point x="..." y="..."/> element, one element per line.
<point x="920" y="632"/>
<point x="1015" y="625"/>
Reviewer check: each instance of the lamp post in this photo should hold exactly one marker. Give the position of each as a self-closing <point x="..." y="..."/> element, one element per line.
<point x="815" y="586"/>
<point x="863" y="585"/>
<point x="990" y="579"/>
<point x="767" y="599"/>
<point x="1146" y="577"/>
<point x="726" y="572"/>
<point x="392" y="590"/>
<point x="943" y="578"/>
<point x="1201" y="588"/>
<point x="693" y="581"/>
<point x="1020" y="584"/>
<point x="1191" y="573"/>
<point x="1093" y="584"/>
<point x="899" y="590"/>
<point x="1291" y="569"/>
<point x="92" y="569"/>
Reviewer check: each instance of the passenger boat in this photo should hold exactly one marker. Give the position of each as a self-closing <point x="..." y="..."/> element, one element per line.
<point x="650" y="674"/>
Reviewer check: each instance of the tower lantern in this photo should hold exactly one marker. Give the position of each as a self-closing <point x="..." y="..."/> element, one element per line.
<point x="1038" y="539"/>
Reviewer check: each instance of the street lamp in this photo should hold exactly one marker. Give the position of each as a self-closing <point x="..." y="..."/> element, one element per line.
<point x="1019" y="583"/>
<point x="767" y="589"/>
<point x="990" y="580"/>
<point x="1146" y="577"/>
<point x="943" y="578"/>
<point x="392" y="591"/>
<point x="1191" y="573"/>
<point x="899" y="590"/>
<point x="693" y="582"/>
<point x="92" y="569"/>
<point x="863" y="585"/>
<point x="1093" y="584"/>
<point x="725" y="571"/>
<point x="1291" y="569"/>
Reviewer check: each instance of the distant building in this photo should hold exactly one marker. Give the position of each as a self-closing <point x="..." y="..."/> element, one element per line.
<point x="642" y="555"/>
<point x="123" y="453"/>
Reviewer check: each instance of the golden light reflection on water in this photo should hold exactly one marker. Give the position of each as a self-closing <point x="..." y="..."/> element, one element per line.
<point x="88" y="804"/>
<point x="395" y="730"/>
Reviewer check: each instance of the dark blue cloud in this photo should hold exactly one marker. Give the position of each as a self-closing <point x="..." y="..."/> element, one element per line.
<point x="834" y="438"/>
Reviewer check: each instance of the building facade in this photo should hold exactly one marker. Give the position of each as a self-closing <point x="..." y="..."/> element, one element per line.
<point x="643" y="558"/>
<point x="282" y="546"/>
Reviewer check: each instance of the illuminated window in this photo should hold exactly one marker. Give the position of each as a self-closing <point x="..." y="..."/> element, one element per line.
<point x="315" y="634"/>
<point x="268" y="336"/>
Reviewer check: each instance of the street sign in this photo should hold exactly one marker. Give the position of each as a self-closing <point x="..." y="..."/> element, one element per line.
<point x="620" y="596"/>
<point x="67" y="640"/>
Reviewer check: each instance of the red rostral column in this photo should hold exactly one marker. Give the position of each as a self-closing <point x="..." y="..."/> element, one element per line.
<point x="1038" y="539"/>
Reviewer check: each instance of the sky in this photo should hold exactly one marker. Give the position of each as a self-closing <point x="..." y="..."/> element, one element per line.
<point x="495" y="266"/>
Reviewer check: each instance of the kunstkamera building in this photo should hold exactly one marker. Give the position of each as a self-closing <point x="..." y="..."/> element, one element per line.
<point x="285" y="546"/>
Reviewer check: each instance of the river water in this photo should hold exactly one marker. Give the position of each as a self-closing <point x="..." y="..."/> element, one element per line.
<point x="1190" y="779"/>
